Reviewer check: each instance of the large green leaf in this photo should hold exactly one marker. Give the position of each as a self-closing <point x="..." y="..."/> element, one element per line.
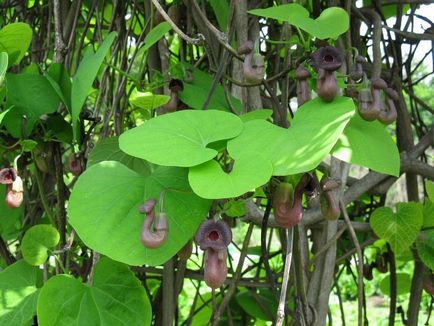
<point x="37" y="241"/>
<point x="107" y="149"/>
<point x="208" y="180"/>
<point x="180" y="138"/>
<point x="10" y="219"/>
<point x="33" y="96"/>
<point x="399" y="229"/>
<point x="425" y="248"/>
<point x="116" y="297"/>
<point x="332" y="22"/>
<point x="15" y="40"/>
<point x="85" y="75"/>
<point x="403" y="284"/>
<point x="19" y="293"/>
<point x="196" y="92"/>
<point x="104" y="203"/>
<point x="368" y="144"/>
<point x="315" y="129"/>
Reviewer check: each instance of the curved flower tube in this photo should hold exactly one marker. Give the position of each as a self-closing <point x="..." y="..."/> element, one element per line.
<point x="153" y="237"/>
<point x="253" y="66"/>
<point x="214" y="237"/>
<point x="287" y="203"/>
<point x="327" y="60"/>
<point x="329" y="208"/>
<point x="389" y="116"/>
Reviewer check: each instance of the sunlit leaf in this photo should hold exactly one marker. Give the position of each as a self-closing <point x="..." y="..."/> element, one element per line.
<point x="104" y="210"/>
<point x="116" y="297"/>
<point x="399" y="229"/>
<point x="37" y="241"/>
<point x="19" y="293"/>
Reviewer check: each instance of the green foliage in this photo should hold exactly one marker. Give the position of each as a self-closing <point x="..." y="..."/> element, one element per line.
<point x="3" y="66"/>
<point x="181" y="138"/>
<point x="37" y="241"/>
<point x="15" y="40"/>
<point x="263" y="114"/>
<point x="403" y="283"/>
<point x="19" y="293"/>
<point x="314" y="131"/>
<point x="115" y="297"/>
<point x="84" y="77"/>
<point x="148" y="101"/>
<point x="399" y="229"/>
<point x="332" y="22"/>
<point x="155" y="35"/>
<point x="425" y="248"/>
<point x="104" y="210"/>
<point x="249" y="171"/>
<point x="262" y="305"/>
<point x="107" y="149"/>
<point x="368" y="144"/>
<point x="196" y="92"/>
<point x="31" y="96"/>
<point x="10" y="219"/>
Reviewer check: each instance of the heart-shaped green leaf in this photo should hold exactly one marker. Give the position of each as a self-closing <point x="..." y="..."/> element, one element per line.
<point x="107" y="149"/>
<point x="148" y="101"/>
<point x="331" y="23"/>
<point x="33" y="96"/>
<point x="37" y="241"/>
<point x="368" y="144"/>
<point x="208" y="180"/>
<point x="314" y="131"/>
<point x="425" y="248"/>
<point x="103" y="209"/>
<point x="403" y="284"/>
<point x="116" y="297"/>
<point x="180" y="138"/>
<point x="19" y="293"/>
<point x="15" y="40"/>
<point x="399" y="229"/>
<point x="196" y="92"/>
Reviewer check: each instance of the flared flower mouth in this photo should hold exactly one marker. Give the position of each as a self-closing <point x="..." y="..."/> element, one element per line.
<point x="176" y="85"/>
<point x="213" y="234"/>
<point x="7" y="176"/>
<point x="328" y="58"/>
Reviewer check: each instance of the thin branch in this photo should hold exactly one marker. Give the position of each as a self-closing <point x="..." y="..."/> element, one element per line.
<point x="233" y="285"/>
<point x="282" y="301"/>
<point x="196" y="41"/>
<point x="359" y="263"/>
